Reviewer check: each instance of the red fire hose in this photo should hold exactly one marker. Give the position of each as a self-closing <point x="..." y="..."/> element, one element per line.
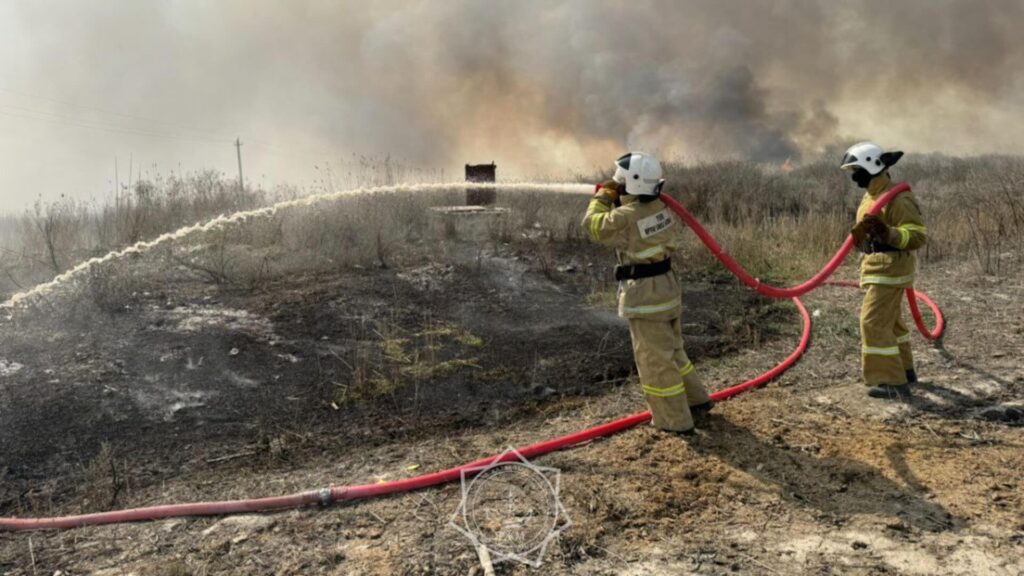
<point x="326" y="496"/>
<point x="764" y="289"/>
<point x="940" y="322"/>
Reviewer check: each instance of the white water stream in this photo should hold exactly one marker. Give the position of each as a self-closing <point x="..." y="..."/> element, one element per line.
<point x="226" y="219"/>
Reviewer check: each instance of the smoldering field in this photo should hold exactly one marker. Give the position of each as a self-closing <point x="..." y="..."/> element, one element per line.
<point x="352" y="340"/>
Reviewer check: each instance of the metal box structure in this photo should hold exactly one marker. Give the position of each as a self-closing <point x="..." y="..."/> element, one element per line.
<point x="481" y="173"/>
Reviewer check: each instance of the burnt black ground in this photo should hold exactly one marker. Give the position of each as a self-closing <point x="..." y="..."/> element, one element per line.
<point x="806" y="475"/>
<point x="190" y="372"/>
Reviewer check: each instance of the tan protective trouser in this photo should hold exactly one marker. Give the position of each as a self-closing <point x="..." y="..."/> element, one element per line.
<point x="667" y="377"/>
<point x="885" y="339"/>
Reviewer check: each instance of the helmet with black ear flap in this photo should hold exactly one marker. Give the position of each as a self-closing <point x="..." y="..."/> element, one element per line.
<point x="889" y="159"/>
<point x="864" y="155"/>
<point x="639" y="174"/>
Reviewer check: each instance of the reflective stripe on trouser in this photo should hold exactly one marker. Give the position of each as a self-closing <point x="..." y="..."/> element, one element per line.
<point x="885" y="342"/>
<point x="655" y="344"/>
<point x="696" y="394"/>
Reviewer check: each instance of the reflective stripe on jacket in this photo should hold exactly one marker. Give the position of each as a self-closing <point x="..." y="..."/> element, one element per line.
<point x="641" y="233"/>
<point x="907" y="233"/>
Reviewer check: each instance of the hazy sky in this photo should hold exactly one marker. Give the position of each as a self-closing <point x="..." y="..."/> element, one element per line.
<point x="541" y="87"/>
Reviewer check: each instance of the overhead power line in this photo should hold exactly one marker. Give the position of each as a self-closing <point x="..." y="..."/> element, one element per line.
<point x="31" y="114"/>
<point x="80" y="107"/>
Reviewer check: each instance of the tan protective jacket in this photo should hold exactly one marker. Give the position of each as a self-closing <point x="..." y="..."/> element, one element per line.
<point x="641" y="233"/>
<point x="906" y="232"/>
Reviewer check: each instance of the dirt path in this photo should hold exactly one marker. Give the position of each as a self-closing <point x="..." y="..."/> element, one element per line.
<point x="805" y="476"/>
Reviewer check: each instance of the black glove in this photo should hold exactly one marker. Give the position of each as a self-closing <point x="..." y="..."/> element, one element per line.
<point x="859" y="233"/>
<point x="876" y="229"/>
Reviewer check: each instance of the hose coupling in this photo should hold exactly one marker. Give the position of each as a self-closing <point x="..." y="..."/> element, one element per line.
<point x="325" y="497"/>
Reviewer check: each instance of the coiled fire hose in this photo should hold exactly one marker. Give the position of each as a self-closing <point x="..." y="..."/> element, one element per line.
<point x="326" y="496"/>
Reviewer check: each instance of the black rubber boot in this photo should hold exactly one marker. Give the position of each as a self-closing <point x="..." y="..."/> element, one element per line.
<point x="890" y="392"/>
<point x="702" y="408"/>
<point x="911" y="376"/>
<point x="700" y="411"/>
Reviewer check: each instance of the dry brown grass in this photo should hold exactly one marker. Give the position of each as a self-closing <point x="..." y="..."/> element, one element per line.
<point x="785" y="225"/>
<point x="780" y="226"/>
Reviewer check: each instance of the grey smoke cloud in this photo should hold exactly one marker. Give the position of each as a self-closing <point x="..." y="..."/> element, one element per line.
<point x="538" y="86"/>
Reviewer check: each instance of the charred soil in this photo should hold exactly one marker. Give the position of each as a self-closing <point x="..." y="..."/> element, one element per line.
<point x="195" y="391"/>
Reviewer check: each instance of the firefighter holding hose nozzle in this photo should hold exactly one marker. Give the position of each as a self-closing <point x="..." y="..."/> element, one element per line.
<point x="627" y="214"/>
<point x="888" y="242"/>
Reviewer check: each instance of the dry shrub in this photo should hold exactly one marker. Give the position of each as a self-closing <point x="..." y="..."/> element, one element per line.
<point x="103" y="480"/>
<point x="111" y="288"/>
<point x="375" y="229"/>
<point x="556" y="216"/>
<point x="54" y="236"/>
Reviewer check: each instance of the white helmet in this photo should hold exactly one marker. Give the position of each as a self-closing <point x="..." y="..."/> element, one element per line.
<point x="640" y="173"/>
<point x="866" y="155"/>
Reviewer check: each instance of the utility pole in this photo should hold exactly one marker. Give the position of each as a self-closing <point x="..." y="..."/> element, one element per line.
<point x="238" y="149"/>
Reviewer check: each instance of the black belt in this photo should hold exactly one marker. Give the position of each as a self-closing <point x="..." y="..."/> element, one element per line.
<point x="873" y="247"/>
<point x="637" y="271"/>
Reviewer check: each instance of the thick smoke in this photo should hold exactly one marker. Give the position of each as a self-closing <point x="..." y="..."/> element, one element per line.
<point x="539" y="86"/>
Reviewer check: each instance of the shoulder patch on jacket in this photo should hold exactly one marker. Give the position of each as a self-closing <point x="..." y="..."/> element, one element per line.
<point x="655" y="223"/>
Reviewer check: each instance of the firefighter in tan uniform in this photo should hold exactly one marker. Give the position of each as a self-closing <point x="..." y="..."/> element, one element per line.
<point x="888" y="242"/>
<point x="627" y="214"/>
